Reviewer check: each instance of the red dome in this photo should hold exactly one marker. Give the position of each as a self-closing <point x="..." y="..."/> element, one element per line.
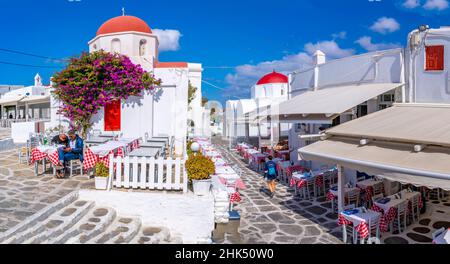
<point x="123" y="24"/>
<point x="273" y="77"/>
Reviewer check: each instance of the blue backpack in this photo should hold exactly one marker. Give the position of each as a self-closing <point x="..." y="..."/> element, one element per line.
<point x="272" y="171"/>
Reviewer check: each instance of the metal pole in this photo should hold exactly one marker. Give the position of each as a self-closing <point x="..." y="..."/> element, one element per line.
<point x="341" y="191"/>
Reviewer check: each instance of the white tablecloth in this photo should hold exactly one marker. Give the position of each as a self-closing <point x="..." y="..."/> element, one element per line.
<point x="46" y="149"/>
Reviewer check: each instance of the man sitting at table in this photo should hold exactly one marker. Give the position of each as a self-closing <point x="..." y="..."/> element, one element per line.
<point x="60" y="139"/>
<point x="73" y="151"/>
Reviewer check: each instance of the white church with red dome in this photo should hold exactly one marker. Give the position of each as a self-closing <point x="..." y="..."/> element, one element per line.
<point x="165" y="113"/>
<point x="240" y="124"/>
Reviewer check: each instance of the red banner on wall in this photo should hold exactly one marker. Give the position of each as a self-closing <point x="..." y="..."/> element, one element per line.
<point x="112" y="116"/>
<point x="434" y="58"/>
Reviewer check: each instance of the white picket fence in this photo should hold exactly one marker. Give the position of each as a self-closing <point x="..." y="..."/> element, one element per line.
<point x="148" y="173"/>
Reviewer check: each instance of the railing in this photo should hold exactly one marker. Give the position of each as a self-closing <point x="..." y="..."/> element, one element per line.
<point x="148" y="173"/>
<point x="6" y="123"/>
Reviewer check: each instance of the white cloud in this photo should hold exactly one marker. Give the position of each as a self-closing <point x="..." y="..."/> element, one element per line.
<point x="340" y="35"/>
<point x="436" y="5"/>
<point x="385" y="25"/>
<point x="366" y="43"/>
<point x="247" y="75"/>
<point x="330" y="48"/>
<point x="410" y="4"/>
<point x="169" y="39"/>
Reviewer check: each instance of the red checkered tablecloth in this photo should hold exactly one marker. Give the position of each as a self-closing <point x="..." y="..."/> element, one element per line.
<point x="330" y="196"/>
<point x="296" y="168"/>
<point x="37" y="155"/>
<point x="299" y="183"/>
<point x="386" y="218"/>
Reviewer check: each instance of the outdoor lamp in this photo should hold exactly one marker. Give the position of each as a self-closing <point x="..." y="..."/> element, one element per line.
<point x="195" y="147"/>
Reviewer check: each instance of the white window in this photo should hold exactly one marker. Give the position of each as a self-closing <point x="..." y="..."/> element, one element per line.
<point x="142" y="47"/>
<point x="115" y="46"/>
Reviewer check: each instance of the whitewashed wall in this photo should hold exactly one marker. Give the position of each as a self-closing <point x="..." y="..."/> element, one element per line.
<point x="432" y="86"/>
<point x="374" y="67"/>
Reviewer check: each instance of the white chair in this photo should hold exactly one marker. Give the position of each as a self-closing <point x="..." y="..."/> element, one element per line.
<point x="438" y="233"/>
<point x="374" y="227"/>
<point x="415" y="210"/>
<point x="401" y="216"/>
<point x="349" y="229"/>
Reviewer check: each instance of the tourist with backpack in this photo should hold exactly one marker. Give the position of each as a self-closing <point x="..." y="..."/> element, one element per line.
<point x="271" y="175"/>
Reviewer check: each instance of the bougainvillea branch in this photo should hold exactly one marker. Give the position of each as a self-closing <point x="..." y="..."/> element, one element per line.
<point x="91" y="81"/>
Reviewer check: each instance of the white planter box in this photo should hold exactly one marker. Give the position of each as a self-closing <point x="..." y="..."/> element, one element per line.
<point x="101" y="183"/>
<point x="201" y="188"/>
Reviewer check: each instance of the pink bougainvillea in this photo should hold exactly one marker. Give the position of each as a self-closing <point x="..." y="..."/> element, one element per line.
<point x="94" y="79"/>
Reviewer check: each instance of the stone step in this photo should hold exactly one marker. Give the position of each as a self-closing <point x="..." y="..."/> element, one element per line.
<point x="95" y="222"/>
<point x="37" y="218"/>
<point x="151" y="235"/>
<point x="121" y="231"/>
<point x="56" y="224"/>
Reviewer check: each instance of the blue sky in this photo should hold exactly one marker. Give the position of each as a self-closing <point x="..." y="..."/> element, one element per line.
<point x="246" y="37"/>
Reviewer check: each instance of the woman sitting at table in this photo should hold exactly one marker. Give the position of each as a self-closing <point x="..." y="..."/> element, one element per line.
<point x="73" y="151"/>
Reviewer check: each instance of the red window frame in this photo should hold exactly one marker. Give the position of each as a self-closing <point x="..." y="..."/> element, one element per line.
<point x="112" y="116"/>
<point x="434" y="58"/>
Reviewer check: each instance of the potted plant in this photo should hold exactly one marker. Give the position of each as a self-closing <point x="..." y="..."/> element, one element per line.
<point x="101" y="176"/>
<point x="200" y="169"/>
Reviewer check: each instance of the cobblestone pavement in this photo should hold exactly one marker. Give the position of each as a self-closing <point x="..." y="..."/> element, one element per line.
<point x="23" y="194"/>
<point x="288" y="219"/>
<point x="282" y="219"/>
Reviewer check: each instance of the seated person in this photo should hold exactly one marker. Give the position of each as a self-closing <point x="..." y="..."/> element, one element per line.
<point x="60" y="139"/>
<point x="73" y="151"/>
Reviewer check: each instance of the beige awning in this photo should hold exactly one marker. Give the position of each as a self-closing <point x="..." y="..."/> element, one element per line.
<point x="383" y="158"/>
<point x="417" y="181"/>
<point x="328" y="103"/>
<point x="10" y="100"/>
<point x="410" y="123"/>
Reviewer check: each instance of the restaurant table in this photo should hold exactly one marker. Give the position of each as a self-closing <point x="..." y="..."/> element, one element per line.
<point x="42" y="153"/>
<point x="106" y="136"/>
<point x="156" y="145"/>
<point x="158" y="140"/>
<point x="98" y="140"/>
<point x="368" y="186"/>
<point x="389" y="208"/>
<point x="394" y="202"/>
<point x="333" y="194"/>
<point x="144" y="152"/>
<point x="360" y="218"/>
<point x="224" y="170"/>
<point x="443" y="238"/>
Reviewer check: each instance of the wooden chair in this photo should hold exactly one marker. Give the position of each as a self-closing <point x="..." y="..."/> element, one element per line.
<point x="378" y="188"/>
<point x="353" y="197"/>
